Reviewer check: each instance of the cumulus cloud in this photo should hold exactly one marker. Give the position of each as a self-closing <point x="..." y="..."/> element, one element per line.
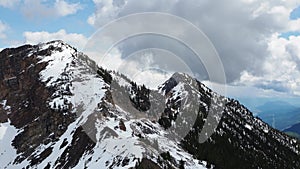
<point x="40" y="9"/>
<point x="238" y="30"/>
<point x="281" y="68"/>
<point x="294" y="25"/>
<point x="106" y="10"/>
<point x="74" y="39"/>
<point x="245" y="33"/>
<point x="63" y="8"/>
<point x="143" y="67"/>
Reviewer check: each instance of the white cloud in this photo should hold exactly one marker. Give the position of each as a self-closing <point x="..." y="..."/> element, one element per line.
<point x="294" y="25"/>
<point x="236" y="91"/>
<point x="40" y="9"/>
<point x="245" y="33"/>
<point x="63" y="8"/>
<point x="239" y="31"/>
<point x="74" y="39"/>
<point x="140" y="67"/>
<point x="106" y="11"/>
<point x="9" y="3"/>
<point x="281" y="69"/>
<point x="3" y="28"/>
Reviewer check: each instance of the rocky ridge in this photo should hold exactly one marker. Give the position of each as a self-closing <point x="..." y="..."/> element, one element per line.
<point x="60" y="110"/>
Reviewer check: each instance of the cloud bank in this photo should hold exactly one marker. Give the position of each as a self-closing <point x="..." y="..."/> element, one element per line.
<point x="244" y="32"/>
<point x="77" y="40"/>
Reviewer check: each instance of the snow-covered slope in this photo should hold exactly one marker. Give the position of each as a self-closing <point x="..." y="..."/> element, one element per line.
<point x="106" y="136"/>
<point x="58" y="109"/>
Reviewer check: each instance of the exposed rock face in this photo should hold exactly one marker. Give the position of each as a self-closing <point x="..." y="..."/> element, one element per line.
<point x="27" y="97"/>
<point x="62" y="111"/>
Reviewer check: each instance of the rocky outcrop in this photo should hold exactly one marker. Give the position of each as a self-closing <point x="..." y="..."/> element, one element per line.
<point x="28" y="99"/>
<point x="67" y="112"/>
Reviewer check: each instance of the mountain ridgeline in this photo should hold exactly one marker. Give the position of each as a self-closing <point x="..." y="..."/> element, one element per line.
<point x="58" y="109"/>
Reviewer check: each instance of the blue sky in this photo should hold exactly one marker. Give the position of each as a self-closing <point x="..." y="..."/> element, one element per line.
<point x="17" y="21"/>
<point x="257" y="40"/>
<point x="295" y="14"/>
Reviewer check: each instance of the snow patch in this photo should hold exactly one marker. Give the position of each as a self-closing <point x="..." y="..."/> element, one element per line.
<point x="7" y="152"/>
<point x="248" y="126"/>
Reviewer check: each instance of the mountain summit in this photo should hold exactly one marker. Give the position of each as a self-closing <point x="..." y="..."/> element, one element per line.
<point x="58" y="109"/>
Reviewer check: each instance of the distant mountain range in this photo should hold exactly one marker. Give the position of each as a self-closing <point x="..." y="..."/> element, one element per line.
<point x="276" y="106"/>
<point x="293" y="130"/>
<point x="279" y="114"/>
<point x="58" y="109"/>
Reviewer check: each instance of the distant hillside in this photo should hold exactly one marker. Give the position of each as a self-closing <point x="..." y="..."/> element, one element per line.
<point x="294" y="130"/>
<point x="279" y="114"/>
<point x="276" y="106"/>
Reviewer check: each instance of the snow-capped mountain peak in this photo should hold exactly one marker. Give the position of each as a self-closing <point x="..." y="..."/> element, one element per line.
<point x="58" y="109"/>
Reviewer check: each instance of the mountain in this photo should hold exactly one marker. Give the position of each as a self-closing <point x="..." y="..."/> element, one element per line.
<point x="279" y="114"/>
<point x="60" y="110"/>
<point x="294" y="130"/>
<point x="280" y="106"/>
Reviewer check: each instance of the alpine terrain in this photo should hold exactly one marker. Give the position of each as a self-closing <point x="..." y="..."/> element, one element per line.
<point x="58" y="109"/>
